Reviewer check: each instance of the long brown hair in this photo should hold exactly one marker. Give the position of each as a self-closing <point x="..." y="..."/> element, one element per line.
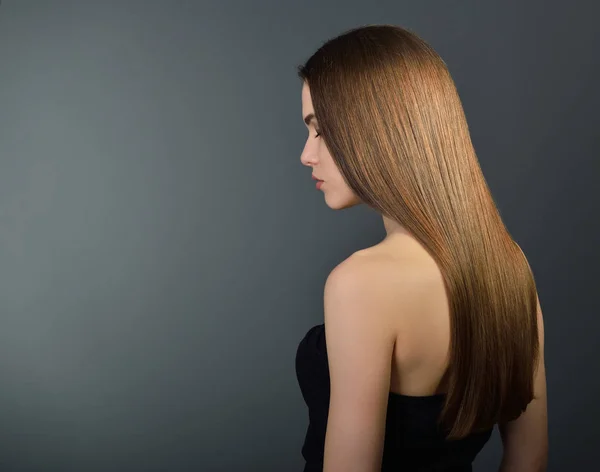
<point x="391" y="117"/>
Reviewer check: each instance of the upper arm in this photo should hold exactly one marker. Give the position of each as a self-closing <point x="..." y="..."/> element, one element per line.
<point x="525" y="439"/>
<point x="359" y="348"/>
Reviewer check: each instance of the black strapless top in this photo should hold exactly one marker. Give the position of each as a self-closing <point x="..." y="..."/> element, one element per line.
<point x="413" y="441"/>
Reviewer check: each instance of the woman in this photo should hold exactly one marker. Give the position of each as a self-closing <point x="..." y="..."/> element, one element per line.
<point x="435" y="335"/>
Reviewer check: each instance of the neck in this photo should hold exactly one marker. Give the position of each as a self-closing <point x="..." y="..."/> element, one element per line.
<point x="392" y="227"/>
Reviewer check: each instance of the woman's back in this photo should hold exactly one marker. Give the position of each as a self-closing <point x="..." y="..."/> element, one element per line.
<point x="403" y="271"/>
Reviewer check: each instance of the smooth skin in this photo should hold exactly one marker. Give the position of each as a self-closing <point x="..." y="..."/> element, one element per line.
<point x="390" y="300"/>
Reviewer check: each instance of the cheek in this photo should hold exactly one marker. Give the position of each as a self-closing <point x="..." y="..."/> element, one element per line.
<point x="328" y="163"/>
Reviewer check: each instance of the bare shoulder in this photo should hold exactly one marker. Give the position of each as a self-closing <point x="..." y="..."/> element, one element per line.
<point x="368" y="272"/>
<point x="407" y="290"/>
<point x="356" y="288"/>
<point x="393" y="283"/>
<point x="398" y="271"/>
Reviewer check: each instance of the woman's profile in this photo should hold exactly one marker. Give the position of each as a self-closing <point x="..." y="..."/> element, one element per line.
<point x="434" y="335"/>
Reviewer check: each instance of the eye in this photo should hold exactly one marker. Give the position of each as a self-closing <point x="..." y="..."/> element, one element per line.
<point x="318" y="133"/>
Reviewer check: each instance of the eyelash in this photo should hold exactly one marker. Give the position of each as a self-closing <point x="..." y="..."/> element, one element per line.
<point x="318" y="134"/>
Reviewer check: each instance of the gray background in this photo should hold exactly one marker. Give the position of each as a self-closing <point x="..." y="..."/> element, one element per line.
<point x="163" y="250"/>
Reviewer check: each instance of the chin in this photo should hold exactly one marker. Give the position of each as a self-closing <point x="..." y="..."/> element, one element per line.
<point x="341" y="202"/>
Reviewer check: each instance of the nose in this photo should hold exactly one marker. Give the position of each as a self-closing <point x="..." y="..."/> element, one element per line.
<point x="308" y="156"/>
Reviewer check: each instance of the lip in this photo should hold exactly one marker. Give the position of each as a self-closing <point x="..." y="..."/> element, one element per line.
<point x="314" y="178"/>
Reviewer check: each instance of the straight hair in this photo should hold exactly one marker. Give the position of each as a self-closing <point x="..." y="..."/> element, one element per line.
<point x="390" y="115"/>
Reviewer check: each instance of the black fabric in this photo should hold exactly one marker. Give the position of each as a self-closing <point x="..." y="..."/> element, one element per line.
<point x="413" y="441"/>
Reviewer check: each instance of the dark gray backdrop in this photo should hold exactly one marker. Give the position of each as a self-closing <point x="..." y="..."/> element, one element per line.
<point x="163" y="250"/>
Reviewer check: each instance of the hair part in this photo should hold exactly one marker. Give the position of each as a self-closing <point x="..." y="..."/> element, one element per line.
<point x="392" y="119"/>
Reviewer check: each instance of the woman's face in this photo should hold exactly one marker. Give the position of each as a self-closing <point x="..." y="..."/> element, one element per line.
<point x="338" y="194"/>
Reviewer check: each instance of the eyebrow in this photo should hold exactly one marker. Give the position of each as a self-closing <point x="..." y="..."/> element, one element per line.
<point x="308" y="118"/>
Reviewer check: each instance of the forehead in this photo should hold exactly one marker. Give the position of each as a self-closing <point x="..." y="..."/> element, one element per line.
<point x="306" y="100"/>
